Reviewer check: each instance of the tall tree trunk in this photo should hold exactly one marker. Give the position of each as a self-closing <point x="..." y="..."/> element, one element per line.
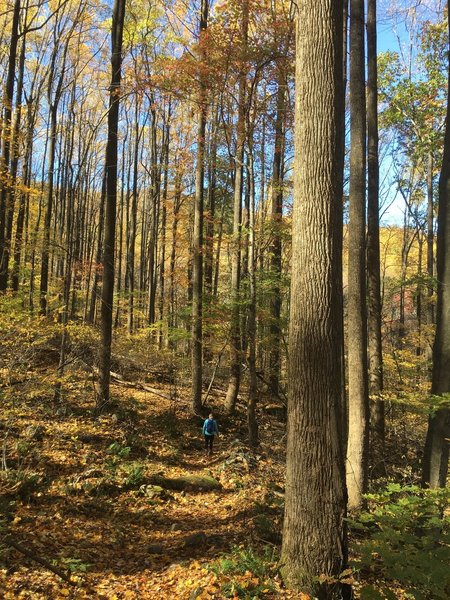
<point x="45" y="256"/>
<point x="197" y="237"/>
<point x="358" y="399"/>
<point x="314" y="533"/>
<point x="430" y="241"/>
<point x="153" y="242"/>
<point x="98" y="254"/>
<point x="111" y="201"/>
<point x="162" y="262"/>
<point x="173" y="252"/>
<point x="235" y="338"/>
<point x="276" y="249"/>
<point x="132" y="220"/>
<point x="373" y="241"/>
<point x="5" y="187"/>
<point x="23" y="199"/>
<point x="435" y="460"/>
<point x="212" y="180"/>
<point x="252" y="423"/>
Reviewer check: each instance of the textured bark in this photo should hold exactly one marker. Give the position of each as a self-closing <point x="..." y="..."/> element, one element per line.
<point x="358" y="397"/>
<point x="314" y="536"/>
<point x="197" y="237"/>
<point x="373" y="242"/>
<point x="435" y="461"/>
<point x="110" y="206"/>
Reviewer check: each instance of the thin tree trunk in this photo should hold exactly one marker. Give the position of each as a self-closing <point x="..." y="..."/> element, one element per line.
<point x="197" y="237"/>
<point x="435" y="460"/>
<point x="132" y="219"/>
<point x="358" y="398"/>
<point x="252" y="423"/>
<point x="110" y="208"/>
<point x="235" y="338"/>
<point x="276" y="247"/>
<point x="373" y="243"/>
<point x="5" y="187"/>
<point x="162" y="263"/>
<point x="430" y="242"/>
<point x="98" y="254"/>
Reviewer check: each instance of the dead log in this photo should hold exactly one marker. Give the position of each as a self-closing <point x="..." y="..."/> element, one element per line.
<point x="42" y="561"/>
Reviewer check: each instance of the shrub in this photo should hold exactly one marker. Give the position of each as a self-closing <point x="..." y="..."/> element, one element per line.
<point x="245" y="574"/>
<point x="407" y="541"/>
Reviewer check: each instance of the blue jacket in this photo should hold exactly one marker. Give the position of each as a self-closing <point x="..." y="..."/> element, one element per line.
<point x="215" y="428"/>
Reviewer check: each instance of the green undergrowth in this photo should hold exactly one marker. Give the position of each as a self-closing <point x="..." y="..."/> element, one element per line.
<point x="247" y="573"/>
<point x="404" y="538"/>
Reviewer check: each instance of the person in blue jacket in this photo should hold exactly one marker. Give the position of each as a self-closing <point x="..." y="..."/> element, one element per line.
<point x="210" y="429"/>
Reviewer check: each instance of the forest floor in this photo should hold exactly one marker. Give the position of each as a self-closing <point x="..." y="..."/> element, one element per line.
<point x="79" y="493"/>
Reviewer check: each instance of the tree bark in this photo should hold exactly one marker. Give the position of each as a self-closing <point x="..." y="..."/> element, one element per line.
<point x="358" y="398"/>
<point x="314" y="534"/>
<point x="110" y="207"/>
<point x="373" y="242"/>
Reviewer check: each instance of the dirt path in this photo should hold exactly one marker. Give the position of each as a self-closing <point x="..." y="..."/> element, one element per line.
<point x="88" y="511"/>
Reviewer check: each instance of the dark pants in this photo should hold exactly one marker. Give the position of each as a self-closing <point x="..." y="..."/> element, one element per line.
<point x="209" y="439"/>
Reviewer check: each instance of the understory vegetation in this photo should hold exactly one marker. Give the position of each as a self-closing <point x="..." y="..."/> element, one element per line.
<point x="126" y="505"/>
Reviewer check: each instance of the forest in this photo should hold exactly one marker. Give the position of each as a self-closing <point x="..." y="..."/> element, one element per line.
<point x="224" y="299"/>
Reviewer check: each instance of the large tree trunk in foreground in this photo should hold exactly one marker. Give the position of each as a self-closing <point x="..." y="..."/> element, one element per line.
<point x="314" y="536"/>
<point x="358" y="395"/>
<point x="435" y="460"/>
<point x="111" y="202"/>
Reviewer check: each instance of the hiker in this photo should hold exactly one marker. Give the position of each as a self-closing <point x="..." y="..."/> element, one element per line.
<point x="210" y="429"/>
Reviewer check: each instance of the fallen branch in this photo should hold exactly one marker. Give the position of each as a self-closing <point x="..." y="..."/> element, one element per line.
<point x="118" y="379"/>
<point x="42" y="561"/>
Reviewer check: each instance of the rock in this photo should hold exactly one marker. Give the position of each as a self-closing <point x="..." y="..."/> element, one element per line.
<point x="195" y="540"/>
<point x="276" y="410"/>
<point x="155" y="549"/>
<point x="153" y="491"/>
<point x="187" y="482"/>
<point x="34" y="432"/>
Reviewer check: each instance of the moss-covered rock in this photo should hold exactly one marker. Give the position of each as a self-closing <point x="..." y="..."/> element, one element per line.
<point x="187" y="482"/>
